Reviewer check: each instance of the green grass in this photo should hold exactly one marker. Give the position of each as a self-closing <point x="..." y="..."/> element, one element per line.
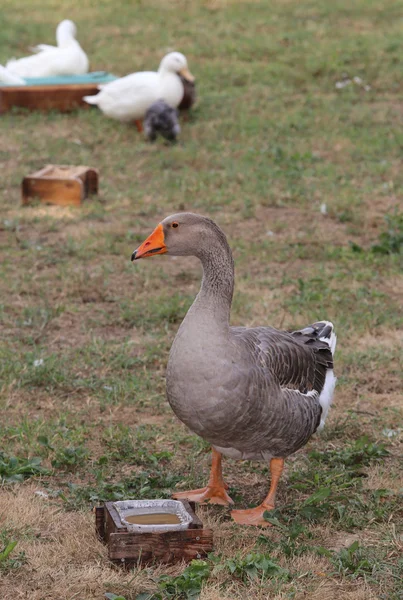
<point x="9" y="561"/>
<point x="85" y="334"/>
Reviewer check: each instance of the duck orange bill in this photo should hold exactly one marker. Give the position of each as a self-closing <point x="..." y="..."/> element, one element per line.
<point x="154" y="244"/>
<point x="186" y="74"/>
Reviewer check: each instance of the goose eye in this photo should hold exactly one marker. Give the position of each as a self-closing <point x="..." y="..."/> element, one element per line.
<point x="175" y="225"/>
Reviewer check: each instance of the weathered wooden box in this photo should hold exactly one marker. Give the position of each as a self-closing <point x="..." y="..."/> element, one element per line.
<point x="61" y="93"/>
<point x="128" y="548"/>
<point x="60" y="184"/>
<point x="46" y="97"/>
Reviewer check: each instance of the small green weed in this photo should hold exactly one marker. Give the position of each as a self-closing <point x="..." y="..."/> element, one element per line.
<point x="135" y="445"/>
<point x="146" y="484"/>
<point x="374" y="565"/>
<point x="361" y="452"/>
<point x="391" y="240"/>
<point x="14" y="469"/>
<point x="70" y="457"/>
<point x="4" y="554"/>
<point x="6" y="562"/>
<point x="371" y="564"/>
<point x="254" y="566"/>
<point x="354" y="562"/>
<point x="186" y="586"/>
<point x="338" y="469"/>
<point x="189" y="584"/>
<point x="315" y="508"/>
<point x="293" y="538"/>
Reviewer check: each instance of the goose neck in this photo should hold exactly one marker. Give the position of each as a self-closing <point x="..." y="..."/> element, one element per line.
<point x="215" y="296"/>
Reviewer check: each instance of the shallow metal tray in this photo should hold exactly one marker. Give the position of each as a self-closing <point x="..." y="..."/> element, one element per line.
<point x="127" y="508"/>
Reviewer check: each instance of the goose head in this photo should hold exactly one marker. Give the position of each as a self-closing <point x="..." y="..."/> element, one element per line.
<point x="182" y="234"/>
<point x="65" y="32"/>
<point x="175" y="62"/>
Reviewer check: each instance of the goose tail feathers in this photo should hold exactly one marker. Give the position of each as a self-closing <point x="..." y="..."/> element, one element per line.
<point x="322" y="331"/>
<point x="327" y="334"/>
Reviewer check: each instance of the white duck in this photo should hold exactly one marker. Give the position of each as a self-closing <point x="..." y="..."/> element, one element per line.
<point x="67" y="58"/>
<point x="127" y="99"/>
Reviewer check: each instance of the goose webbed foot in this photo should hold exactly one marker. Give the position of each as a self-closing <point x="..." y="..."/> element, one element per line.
<point x="209" y="494"/>
<point x="215" y="490"/>
<point x="254" y="516"/>
<point x="251" y="516"/>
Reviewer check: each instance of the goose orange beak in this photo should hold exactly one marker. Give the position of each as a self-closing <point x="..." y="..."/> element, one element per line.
<point x="154" y="244"/>
<point x="186" y="74"/>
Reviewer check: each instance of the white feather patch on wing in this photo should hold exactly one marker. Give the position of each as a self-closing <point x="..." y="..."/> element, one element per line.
<point x="310" y="394"/>
<point x="326" y="396"/>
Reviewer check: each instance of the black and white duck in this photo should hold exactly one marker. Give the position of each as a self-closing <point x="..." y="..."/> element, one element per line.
<point x="161" y="119"/>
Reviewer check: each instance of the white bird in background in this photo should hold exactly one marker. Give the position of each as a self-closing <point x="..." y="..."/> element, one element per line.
<point x="7" y="77"/>
<point x="67" y="58"/>
<point x="65" y="31"/>
<point x="127" y="99"/>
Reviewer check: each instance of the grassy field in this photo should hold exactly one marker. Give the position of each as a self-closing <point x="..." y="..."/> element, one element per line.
<point x="271" y="145"/>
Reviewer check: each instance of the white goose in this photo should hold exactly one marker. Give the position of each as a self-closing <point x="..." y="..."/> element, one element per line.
<point x="67" y="58"/>
<point x="127" y="99"/>
<point x="253" y="393"/>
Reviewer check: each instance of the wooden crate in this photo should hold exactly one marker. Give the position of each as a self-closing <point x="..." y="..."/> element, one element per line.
<point x="60" y="184"/>
<point x="128" y="548"/>
<point x="63" y="98"/>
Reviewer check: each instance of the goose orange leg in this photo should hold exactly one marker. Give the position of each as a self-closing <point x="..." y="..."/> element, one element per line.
<point x="254" y="516"/>
<point x="214" y="492"/>
<point x="139" y="125"/>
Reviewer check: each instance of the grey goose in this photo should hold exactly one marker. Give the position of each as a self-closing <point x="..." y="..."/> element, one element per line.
<point x="253" y="393"/>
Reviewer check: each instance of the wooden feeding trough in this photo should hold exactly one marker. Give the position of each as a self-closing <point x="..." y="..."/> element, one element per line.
<point x="63" y="93"/>
<point x="60" y="184"/>
<point x="129" y="548"/>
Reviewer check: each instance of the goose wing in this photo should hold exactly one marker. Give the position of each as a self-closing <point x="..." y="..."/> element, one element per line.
<point x="297" y="360"/>
<point x="279" y="392"/>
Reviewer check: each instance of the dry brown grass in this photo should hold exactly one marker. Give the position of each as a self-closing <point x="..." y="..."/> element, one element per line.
<point x="65" y="560"/>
